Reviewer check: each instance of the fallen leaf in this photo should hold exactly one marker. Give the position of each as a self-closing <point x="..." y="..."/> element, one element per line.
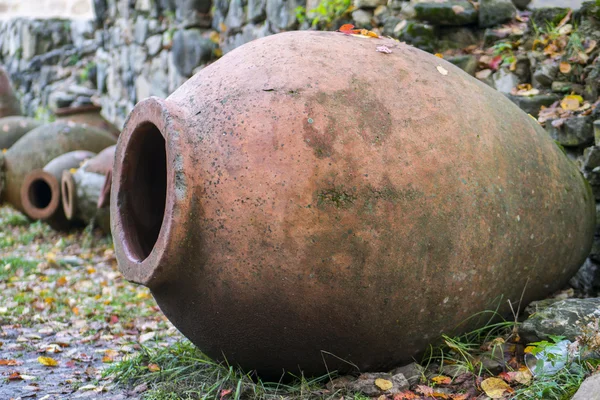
<point x="225" y="392"/>
<point x="62" y="281"/>
<point x="459" y="396"/>
<point x="383" y="384"/>
<point x="529" y="349"/>
<point x="565" y="67"/>
<point x="384" y="49"/>
<point x="347" y="29"/>
<point x="441" y="380"/>
<point x="591" y="45"/>
<point x="368" y="33"/>
<point x="147" y="336"/>
<point x="495" y="387"/>
<point x="87" y="387"/>
<point x="566" y="29"/>
<point x="47" y="361"/>
<point x="406" y="395"/>
<point x="571" y="102"/>
<point x="495" y="63"/>
<point x="10" y="362"/>
<point x="565" y="19"/>
<point x="15" y="376"/>
<point x="442" y="70"/>
<point x="439" y="55"/>
<point x="153" y="367"/>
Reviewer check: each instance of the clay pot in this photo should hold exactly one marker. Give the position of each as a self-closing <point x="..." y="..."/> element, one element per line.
<point x="13" y="128"/>
<point x="307" y="199"/>
<point x="41" y="189"/>
<point x="38" y="147"/>
<point x="86" y="115"/>
<point x="9" y="103"/>
<point x="84" y="191"/>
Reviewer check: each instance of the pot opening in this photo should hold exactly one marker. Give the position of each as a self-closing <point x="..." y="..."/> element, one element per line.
<point x="66" y="185"/>
<point x="144" y="189"/>
<point x="39" y="193"/>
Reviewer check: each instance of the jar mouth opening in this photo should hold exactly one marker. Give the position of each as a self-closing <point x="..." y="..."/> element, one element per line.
<point x="144" y="190"/>
<point x="67" y="193"/>
<point x="40" y="194"/>
<point x="141" y="195"/>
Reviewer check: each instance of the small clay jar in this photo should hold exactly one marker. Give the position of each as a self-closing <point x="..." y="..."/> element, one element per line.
<point x="41" y="145"/>
<point x="84" y="190"/>
<point x="41" y="189"/>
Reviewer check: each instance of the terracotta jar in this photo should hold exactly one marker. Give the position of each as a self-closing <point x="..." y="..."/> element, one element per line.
<point x="41" y="189"/>
<point x="38" y="147"/>
<point x="310" y="203"/>
<point x="86" y="115"/>
<point x="84" y="191"/>
<point x="9" y="104"/>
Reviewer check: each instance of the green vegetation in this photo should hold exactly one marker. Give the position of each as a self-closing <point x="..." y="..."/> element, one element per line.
<point x="325" y="14"/>
<point x="181" y="371"/>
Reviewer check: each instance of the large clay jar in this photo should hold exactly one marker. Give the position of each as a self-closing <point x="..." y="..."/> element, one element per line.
<point x="41" y="189"/>
<point x="308" y="199"/>
<point x="85" y="190"/>
<point x="9" y="104"/>
<point x="13" y="128"/>
<point x="41" y="145"/>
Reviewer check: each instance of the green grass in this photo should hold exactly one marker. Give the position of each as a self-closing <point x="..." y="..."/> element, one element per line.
<point x="10" y="265"/>
<point x="186" y="373"/>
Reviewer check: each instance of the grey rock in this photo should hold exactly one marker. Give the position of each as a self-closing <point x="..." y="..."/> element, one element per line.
<point x="142" y="88"/>
<point x="558" y="318"/>
<point x="362" y="18"/>
<point x="81" y="29"/>
<point x="257" y="10"/>
<point x="456" y="37"/>
<point x="190" y="49"/>
<point x="193" y="13"/>
<point x="159" y="80"/>
<point x="369" y="3"/>
<point x="58" y="99"/>
<point x="591" y="157"/>
<point x="589" y="389"/>
<point x="236" y="16"/>
<point x="140" y="30"/>
<point x="81" y="90"/>
<point x="82" y="101"/>
<point x="249" y="33"/>
<point x="532" y="104"/>
<point x="412" y="372"/>
<point x="415" y="33"/>
<point x="504" y="80"/>
<point x="545" y="73"/>
<point x="574" y="131"/>
<point x="154" y="45"/>
<point x="494" y="12"/>
<point x="587" y="278"/>
<point x="395" y="4"/>
<point x="445" y="13"/>
<point x="381" y="14"/>
<point x="467" y="63"/>
<point x="566" y="87"/>
<point x="281" y="14"/>
<point x="521" y="4"/>
<point x="596" y="125"/>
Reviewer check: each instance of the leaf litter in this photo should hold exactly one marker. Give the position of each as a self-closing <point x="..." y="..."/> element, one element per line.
<point x="67" y="314"/>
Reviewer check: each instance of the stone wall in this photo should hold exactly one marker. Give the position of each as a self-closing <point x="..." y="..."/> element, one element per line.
<point x="46" y="8"/>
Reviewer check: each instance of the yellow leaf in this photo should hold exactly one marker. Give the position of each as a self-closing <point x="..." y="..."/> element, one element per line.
<point x="495" y="387"/>
<point x="153" y="367"/>
<point x="49" y="300"/>
<point x="73" y="170"/>
<point x="222" y="27"/>
<point x="439" y="55"/>
<point x="523" y="376"/>
<point x="571" y="102"/>
<point x="47" y="361"/>
<point x="4" y="151"/>
<point x="565" y="67"/>
<point x="441" y="380"/>
<point x="62" y="281"/>
<point x="51" y="258"/>
<point x="383" y="384"/>
<point x="214" y="37"/>
<point x="442" y="70"/>
<point x="529" y="349"/>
